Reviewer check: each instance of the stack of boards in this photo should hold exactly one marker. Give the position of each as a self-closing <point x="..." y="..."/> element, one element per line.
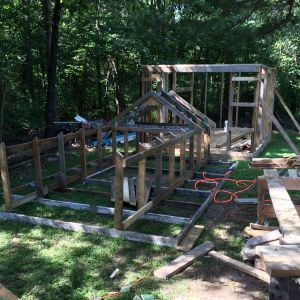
<point x="270" y="256"/>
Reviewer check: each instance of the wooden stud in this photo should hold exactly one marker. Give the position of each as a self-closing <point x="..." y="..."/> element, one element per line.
<point x="237" y="100"/>
<point x="206" y="144"/>
<point x="114" y="144"/>
<point x="171" y="165"/>
<point x="82" y="154"/>
<point x="261" y="186"/>
<point x="158" y="172"/>
<point x="37" y="166"/>
<point x="221" y="100"/>
<point x="182" y="157"/>
<point x="119" y="191"/>
<point x="62" y="160"/>
<point x="5" y="178"/>
<point x="230" y="112"/>
<point x="192" y="89"/>
<point x="205" y="93"/>
<point x="191" y="152"/>
<point x="99" y="147"/>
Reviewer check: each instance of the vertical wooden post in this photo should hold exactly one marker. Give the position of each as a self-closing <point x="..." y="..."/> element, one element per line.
<point x="171" y="165"/>
<point x="198" y="147"/>
<point x="137" y="141"/>
<point x="37" y="166"/>
<point x="230" y="112"/>
<point x="261" y="185"/>
<point x="5" y="179"/>
<point x="62" y="159"/>
<point x="182" y="157"/>
<point x="99" y="147"/>
<point x="205" y="93"/>
<point x="221" y="100"/>
<point x="237" y="100"/>
<point x="114" y="144"/>
<point x="119" y="191"/>
<point x="255" y="135"/>
<point x="83" y="171"/>
<point x="141" y="181"/>
<point x="174" y="82"/>
<point x="191" y="152"/>
<point x="206" y="143"/>
<point x="158" y="172"/>
<point x="192" y="89"/>
<point x="125" y="143"/>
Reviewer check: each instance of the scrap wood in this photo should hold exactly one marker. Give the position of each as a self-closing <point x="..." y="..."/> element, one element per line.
<point x="190" y="239"/>
<point x="262" y="227"/>
<point x="183" y="261"/>
<point x="267" y="237"/>
<point x="241" y="266"/>
<point x="254" y="232"/>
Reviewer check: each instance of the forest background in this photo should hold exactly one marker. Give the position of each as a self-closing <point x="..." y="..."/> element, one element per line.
<point x="62" y="57"/>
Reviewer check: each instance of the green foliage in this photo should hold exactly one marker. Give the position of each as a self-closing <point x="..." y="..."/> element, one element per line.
<point x="102" y="45"/>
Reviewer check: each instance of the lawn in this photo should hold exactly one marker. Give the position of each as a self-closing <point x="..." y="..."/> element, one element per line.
<point x="37" y="262"/>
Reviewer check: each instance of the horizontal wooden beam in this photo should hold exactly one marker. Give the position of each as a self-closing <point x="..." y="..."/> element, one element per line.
<point x="242" y="104"/>
<point x="72" y="226"/>
<point x="111" y="211"/>
<point x="244" y="78"/>
<point x="185" y="68"/>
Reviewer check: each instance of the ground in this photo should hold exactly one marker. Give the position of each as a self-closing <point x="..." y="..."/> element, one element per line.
<point x="38" y="262"/>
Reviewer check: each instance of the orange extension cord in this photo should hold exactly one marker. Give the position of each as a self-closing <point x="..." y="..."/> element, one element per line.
<point x="242" y="184"/>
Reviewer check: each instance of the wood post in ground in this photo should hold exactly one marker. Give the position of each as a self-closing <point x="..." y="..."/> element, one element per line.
<point x="119" y="191"/>
<point x="261" y="185"/>
<point x="5" y="178"/>
<point x="37" y="166"/>
<point x="62" y="160"/>
<point x="83" y="171"/>
<point x="221" y="100"/>
<point x="141" y="183"/>
<point x="125" y="143"/>
<point x="182" y="157"/>
<point x="171" y="165"/>
<point x="99" y="147"/>
<point x="191" y="152"/>
<point x="114" y="144"/>
<point x="230" y="112"/>
<point x="158" y="172"/>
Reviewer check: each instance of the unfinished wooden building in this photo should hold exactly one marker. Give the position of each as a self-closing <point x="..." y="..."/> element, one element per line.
<point x="255" y="82"/>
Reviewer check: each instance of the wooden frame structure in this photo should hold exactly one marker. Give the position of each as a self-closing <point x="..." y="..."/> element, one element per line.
<point x="261" y="105"/>
<point x="164" y="125"/>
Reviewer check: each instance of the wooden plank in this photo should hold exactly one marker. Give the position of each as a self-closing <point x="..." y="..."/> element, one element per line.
<point x="119" y="176"/>
<point x="37" y="166"/>
<point x="158" y="172"/>
<point x="203" y="68"/>
<point x="262" y="227"/>
<point x="241" y="266"/>
<point x="171" y="175"/>
<point x="265" y="238"/>
<point x="82" y="154"/>
<point x="287" y="110"/>
<point x="191" y="152"/>
<point x="190" y="239"/>
<point x="182" y="157"/>
<point x="235" y="138"/>
<point x="27" y="198"/>
<point x="242" y="104"/>
<point x="169" y="219"/>
<point x="279" y="127"/>
<point x="230" y="112"/>
<point x="254" y="232"/>
<point x="141" y="186"/>
<point x="72" y="226"/>
<point x="239" y="78"/>
<point x="183" y="261"/>
<point x="5" y="294"/>
<point x="5" y="178"/>
<point x="155" y="149"/>
<point x="288" y="218"/>
<point x="62" y="160"/>
<point x="284" y="268"/>
<point x="99" y="147"/>
<point x="18" y="148"/>
<point x="206" y="141"/>
<point x="221" y="100"/>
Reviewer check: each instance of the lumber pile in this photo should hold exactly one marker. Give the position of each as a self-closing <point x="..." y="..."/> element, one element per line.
<point x="268" y="255"/>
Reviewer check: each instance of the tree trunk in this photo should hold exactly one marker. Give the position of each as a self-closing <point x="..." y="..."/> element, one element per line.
<point x="2" y="104"/>
<point x="51" y="110"/>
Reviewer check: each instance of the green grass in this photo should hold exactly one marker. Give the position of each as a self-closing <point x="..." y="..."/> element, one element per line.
<point x="37" y="262"/>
